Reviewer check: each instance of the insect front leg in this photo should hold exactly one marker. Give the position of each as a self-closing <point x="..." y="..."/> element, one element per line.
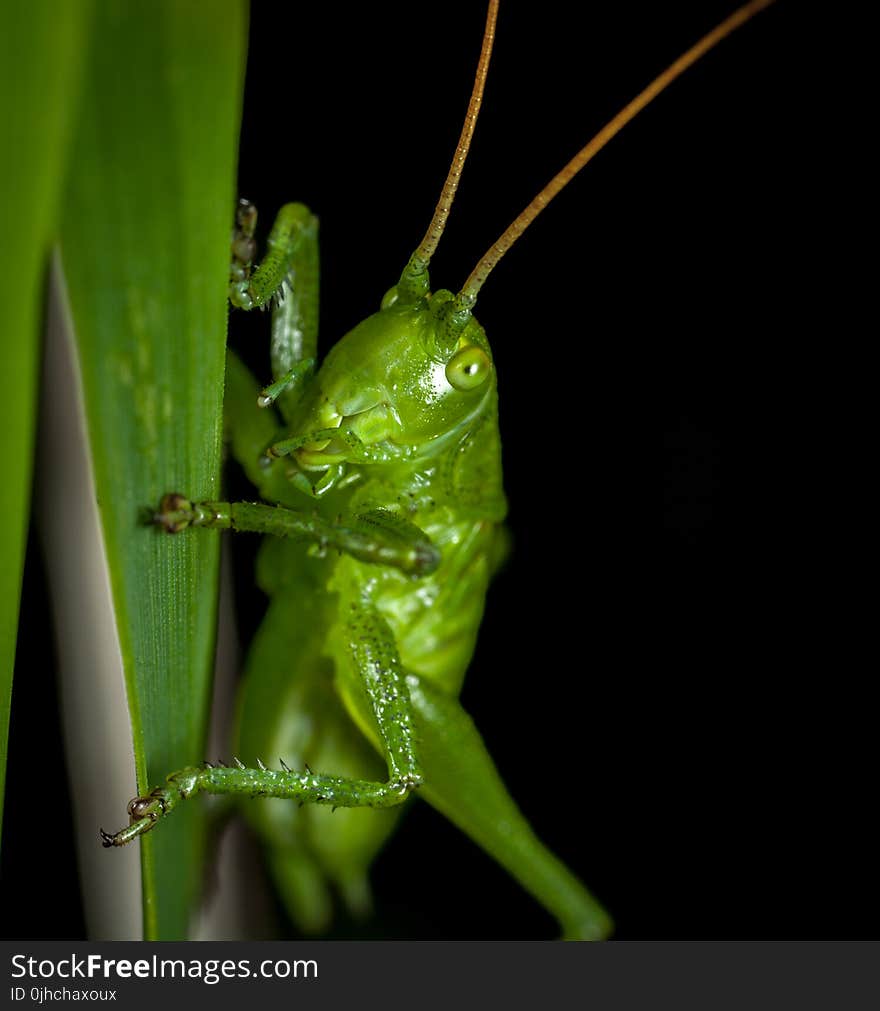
<point x="287" y="278"/>
<point x="378" y="536"/>
<point x="372" y="654"/>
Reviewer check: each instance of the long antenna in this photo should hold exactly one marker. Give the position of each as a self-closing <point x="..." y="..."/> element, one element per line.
<point x="428" y="246"/>
<point x="490" y="260"/>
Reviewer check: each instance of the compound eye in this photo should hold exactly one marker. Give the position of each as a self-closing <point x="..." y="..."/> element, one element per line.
<point x="468" y="368"/>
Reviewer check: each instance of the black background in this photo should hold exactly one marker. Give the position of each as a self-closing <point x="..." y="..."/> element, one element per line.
<point x="664" y="682"/>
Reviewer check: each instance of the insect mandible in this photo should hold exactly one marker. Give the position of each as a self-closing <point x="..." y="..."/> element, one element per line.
<point x="386" y="465"/>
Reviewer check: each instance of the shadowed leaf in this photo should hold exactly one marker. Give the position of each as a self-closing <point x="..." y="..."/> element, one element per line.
<point x="41" y="48"/>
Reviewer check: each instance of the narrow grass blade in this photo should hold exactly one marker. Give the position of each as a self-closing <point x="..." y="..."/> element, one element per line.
<point x="145" y="248"/>
<point x="41" y="48"/>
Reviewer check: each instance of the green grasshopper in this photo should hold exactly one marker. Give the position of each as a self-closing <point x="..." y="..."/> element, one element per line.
<point x="384" y="470"/>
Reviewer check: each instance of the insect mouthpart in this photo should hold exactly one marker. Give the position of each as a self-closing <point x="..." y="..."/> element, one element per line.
<point x="359" y="437"/>
<point x="318" y="455"/>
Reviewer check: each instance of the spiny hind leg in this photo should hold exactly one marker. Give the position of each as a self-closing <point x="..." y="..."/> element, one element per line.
<point x="383" y="688"/>
<point x="463" y="784"/>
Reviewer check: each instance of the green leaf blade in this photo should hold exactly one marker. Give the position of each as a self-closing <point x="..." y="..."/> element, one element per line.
<point x="145" y="244"/>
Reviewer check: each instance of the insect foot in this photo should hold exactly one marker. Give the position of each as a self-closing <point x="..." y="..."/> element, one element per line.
<point x="175" y="513"/>
<point x="144" y="812"/>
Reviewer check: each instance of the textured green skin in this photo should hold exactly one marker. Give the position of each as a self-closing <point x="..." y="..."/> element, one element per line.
<point x="449" y="485"/>
<point x="367" y="638"/>
<point x="434" y="620"/>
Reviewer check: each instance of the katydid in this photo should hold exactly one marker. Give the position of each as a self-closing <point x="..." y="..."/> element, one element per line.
<point x="383" y="467"/>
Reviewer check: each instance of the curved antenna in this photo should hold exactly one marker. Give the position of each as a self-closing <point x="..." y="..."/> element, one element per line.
<point x="420" y="259"/>
<point x="468" y="294"/>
